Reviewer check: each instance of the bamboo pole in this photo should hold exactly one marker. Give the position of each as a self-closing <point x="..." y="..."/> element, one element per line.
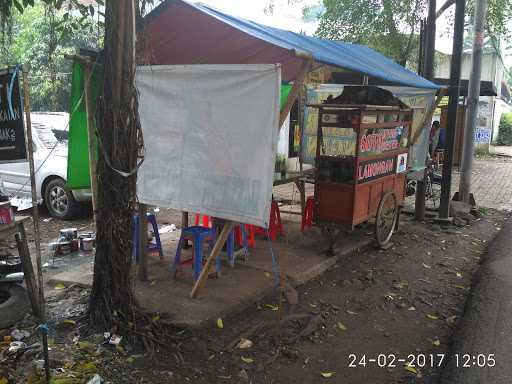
<point x="221" y="240"/>
<point x="35" y="207"/>
<point x="294" y="92"/>
<point x="28" y="270"/>
<point x="90" y="138"/>
<point x="143" y="242"/>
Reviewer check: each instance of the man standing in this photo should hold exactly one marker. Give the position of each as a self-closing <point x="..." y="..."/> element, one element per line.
<point x="434" y="138"/>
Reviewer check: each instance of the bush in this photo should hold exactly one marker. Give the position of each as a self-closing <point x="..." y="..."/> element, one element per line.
<point x="505" y="129"/>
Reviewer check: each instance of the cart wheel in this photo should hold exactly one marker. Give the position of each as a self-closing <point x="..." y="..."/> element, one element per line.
<point x="385" y="219"/>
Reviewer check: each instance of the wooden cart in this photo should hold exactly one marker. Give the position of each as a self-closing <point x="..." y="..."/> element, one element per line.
<point x="361" y="165"/>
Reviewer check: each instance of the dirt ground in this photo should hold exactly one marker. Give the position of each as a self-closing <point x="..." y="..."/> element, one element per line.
<point x="400" y="303"/>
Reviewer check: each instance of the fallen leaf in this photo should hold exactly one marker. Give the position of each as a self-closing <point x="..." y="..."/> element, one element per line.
<point x="352" y="312"/>
<point x="211" y="357"/>
<point x="411" y="309"/>
<point x="436" y="343"/>
<point x="156" y="318"/>
<point x="3" y="380"/>
<point x="130" y="360"/>
<point x="432" y="317"/>
<point x="460" y="286"/>
<point x="220" y="323"/>
<point x="326" y="375"/>
<point x="247" y="360"/>
<point x="60" y="286"/>
<point x="411" y="369"/>
<point x="153" y="283"/>
<point x="267" y="275"/>
<point x="272" y="307"/>
<point x="245" y="343"/>
<point x="312" y="305"/>
<point x="341" y="326"/>
<point x="427" y="266"/>
<point x="459" y="275"/>
<point x="69" y="322"/>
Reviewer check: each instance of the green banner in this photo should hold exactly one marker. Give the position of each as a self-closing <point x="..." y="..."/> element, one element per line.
<point x="78" y="152"/>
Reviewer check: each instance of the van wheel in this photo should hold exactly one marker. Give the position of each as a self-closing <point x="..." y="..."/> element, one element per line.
<point x="59" y="200"/>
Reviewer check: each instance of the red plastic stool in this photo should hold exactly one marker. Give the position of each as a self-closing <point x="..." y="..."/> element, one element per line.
<point x="307" y="215"/>
<point x="249" y="232"/>
<point x="275" y="226"/>
<point x="206" y="220"/>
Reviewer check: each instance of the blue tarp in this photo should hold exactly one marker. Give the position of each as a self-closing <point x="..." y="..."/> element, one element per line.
<point x="349" y="56"/>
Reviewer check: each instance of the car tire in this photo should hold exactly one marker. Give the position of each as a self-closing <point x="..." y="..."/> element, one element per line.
<point x="14" y="306"/>
<point x="59" y="200"/>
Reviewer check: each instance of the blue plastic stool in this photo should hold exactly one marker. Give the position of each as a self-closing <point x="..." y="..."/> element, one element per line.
<point x="230" y="242"/>
<point x="151" y="246"/>
<point x="198" y="235"/>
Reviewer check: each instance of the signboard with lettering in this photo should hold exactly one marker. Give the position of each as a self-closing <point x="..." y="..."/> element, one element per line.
<point x="482" y="136"/>
<point x="376" y="141"/>
<point x="12" y="132"/>
<point x="373" y="169"/>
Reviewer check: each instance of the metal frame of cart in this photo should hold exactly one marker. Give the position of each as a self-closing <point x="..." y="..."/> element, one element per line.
<point x="361" y="166"/>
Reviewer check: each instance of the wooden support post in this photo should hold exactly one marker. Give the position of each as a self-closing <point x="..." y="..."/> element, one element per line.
<point x="184" y="224"/>
<point x="143" y="242"/>
<point x="294" y="92"/>
<point x="35" y="206"/>
<point x="184" y="219"/>
<point x="90" y="137"/>
<point x="221" y="240"/>
<point x="28" y="270"/>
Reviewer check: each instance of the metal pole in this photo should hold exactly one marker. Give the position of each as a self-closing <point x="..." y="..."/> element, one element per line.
<point x="473" y="96"/>
<point x="453" y="105"/>
<point x="428" y="73"/>
<point x="35" y="208"/>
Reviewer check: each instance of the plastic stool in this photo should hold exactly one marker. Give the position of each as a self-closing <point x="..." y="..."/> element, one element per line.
<point x="307" y="215"/>
<point x="275" y="226"/>
<point x="151" y="246"/>
<point x="198" y="235"/>
<point x="207" y="222"/>
<point x="249" y="235"/>
<point x="230" y="241"/>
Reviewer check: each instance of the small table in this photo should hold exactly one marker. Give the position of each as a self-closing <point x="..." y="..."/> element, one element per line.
<point x="16" y="227"/>
<point x="7" y="230"/>
<point x="300" y="179"/>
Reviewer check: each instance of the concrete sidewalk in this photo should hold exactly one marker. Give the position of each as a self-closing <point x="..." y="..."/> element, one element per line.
<point x="486" y="328"/>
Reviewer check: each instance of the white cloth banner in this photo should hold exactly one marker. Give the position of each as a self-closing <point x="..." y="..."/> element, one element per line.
<point x="210" y="133"/>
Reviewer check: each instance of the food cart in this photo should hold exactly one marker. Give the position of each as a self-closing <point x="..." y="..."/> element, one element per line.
<point x="361" y="165"/>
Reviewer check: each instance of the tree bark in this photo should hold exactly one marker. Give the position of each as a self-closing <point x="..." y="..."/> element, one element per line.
<point x="117" y="123"/>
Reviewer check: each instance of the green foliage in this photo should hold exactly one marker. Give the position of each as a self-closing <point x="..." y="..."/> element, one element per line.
<point x="39" y="39"/>
<point x="505" y="129"/>
<point x="390" y="27"/>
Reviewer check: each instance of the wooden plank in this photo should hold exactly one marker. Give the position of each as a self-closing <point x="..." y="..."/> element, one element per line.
<point x="35" y="206"/>
<point x="294" y="92"/>
<point x="90" y="138"/>
<point x="428" y="116"/>
<point x="143" y="242"/>
<point x="28" y="269"/>
<point x="221" y="240"/>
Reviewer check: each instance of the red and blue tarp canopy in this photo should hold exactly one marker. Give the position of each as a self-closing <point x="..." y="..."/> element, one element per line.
<point x="179" y="32"/>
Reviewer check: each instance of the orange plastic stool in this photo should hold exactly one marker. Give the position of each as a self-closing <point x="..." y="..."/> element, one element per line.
<point x="307" y="216"/>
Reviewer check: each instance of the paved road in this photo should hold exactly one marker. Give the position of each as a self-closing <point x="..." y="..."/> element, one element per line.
<point x="491" y="183"/>
<point x="486" y="327"/>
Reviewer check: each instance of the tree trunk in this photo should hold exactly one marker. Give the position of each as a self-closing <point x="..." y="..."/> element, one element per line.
<point x="112" y="296"/>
